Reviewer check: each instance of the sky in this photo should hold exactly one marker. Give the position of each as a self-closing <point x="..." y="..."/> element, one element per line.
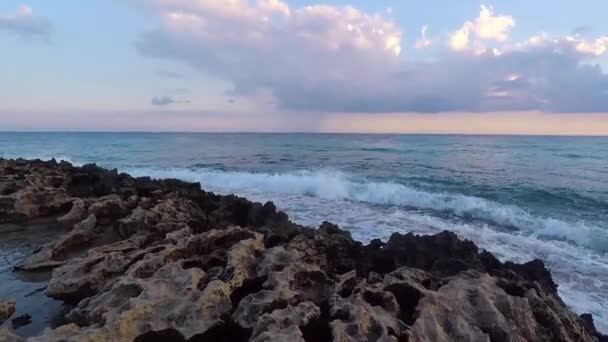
<point x="437" y="66"/>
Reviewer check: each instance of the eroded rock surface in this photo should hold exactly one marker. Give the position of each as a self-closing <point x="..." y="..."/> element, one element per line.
<point x="162" y="260"/>
<point x="7" y="309"/>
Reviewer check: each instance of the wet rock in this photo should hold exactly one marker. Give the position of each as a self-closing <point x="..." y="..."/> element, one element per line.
<point x="7" y="309"/>
<point x="588" y="321"/>
<point x="535" y="270"/>
<point x="50" y="255"/>
<point x="21" y="321"/>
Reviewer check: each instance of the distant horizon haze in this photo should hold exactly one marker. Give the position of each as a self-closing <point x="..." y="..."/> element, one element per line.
<point x="527" y="123"/>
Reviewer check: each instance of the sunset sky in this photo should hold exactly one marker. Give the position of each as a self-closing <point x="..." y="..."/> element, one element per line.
<point x="506" y="67"/>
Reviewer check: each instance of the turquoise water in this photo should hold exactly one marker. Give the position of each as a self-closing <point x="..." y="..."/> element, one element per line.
<point x="518" y="197"/>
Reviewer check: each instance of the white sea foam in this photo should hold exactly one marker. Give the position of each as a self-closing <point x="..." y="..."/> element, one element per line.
<point x="339" y="186"/>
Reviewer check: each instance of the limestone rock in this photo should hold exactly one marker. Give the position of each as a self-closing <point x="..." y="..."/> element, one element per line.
<point x="77" y="213"/>
<point x="8" y="336"/>
<point x="285" y="324"/>
<point x="51" y="254"/>
<point x="7" y="309"/>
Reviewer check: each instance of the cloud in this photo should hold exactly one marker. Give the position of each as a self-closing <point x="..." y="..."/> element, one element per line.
<point x="493" y="27"/>
<point x="595" y="48"/>
<point x="170" y="74"/>
<point x="567" y="45"/>
<point x="24" y="23"/>
<point x="423" y="41"/>
<point x="487" y="26"/>
<point x="325" y="58"/>
<point x="459" y="40"/>
<point x="166" y="100"/>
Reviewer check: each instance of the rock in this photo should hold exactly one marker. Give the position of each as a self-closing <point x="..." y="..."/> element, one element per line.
<point x="165" y="216"/>
<point x="82" y="277"/>
<point x="21" y="321"/>
<point x="50" y="255"/>
<point x="285" y="324"/>
<point x="76" y="214"/>
<point x="588" y="321"/>
<point x="172" y="291"/>
<point x="7" y="309"/>
<point x="8" y="336"/>
<point x="39" y="202"/>
<point x="354" y="319"/>
<point x="476" y="308"/>
<point x="109" y="208"/>
<point x="149" y="260"/>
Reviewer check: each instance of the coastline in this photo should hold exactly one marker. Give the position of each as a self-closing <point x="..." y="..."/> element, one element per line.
<point x="228" y="268"/>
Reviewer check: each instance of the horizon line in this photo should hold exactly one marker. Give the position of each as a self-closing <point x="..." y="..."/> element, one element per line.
<point x="303" y="132"/>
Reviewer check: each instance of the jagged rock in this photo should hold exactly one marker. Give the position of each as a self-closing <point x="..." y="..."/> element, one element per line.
<point x="150" y="260"/>
<point x="285" y="324"/>
<point x="50" y="255"/>
<point x="21" y="321"/>
<point x="109" y="208"/>
<point x="588" y="321"/>
<point x="169" y="290"/>
<point x="77" y="213"/>
<point x="166" y="216"/>
<point x="365" y="312"/>
<point x="8" y="336"/>
<point x="472" y="307"/>
<point x="37" y="202"/>
<point x="82" y="277"/>
<point x="7" y="309"/>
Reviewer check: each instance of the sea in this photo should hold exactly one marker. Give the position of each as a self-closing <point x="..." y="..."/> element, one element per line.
<point x="519" y="197"/>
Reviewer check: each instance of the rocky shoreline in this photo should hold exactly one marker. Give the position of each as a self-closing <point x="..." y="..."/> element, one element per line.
<point x="163" y="260"/>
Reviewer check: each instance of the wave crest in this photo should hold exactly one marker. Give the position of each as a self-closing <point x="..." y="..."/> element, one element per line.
<point x="339" y="186"/>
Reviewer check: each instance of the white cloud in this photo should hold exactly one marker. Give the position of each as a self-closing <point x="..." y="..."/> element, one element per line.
<point x="566" y="45"/>
<point x="487" y="26"/>
<point x="323" y="58"/>
<point x="493" y="27"/>
<point x="595" y="48"/>
<point x="24" y="23"/>
<point x="459" y="40"/>
<point x="242" y="22"/>
<point x="274" y="48"/>
<point x="423" y="41"/>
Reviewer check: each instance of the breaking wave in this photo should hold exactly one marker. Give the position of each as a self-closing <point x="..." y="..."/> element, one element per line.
<point x="339" y="186"/>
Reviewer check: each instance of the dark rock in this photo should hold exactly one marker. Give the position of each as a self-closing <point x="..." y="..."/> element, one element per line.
<point x="588" y="321"/>
<point x="21" y="321"/>
<point x="535" y="270"/>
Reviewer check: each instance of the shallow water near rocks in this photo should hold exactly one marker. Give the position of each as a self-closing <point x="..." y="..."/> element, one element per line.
<point x="27" y="288"/>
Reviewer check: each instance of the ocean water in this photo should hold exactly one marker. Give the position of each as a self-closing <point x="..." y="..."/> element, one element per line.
<point x="518" y="197"/>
